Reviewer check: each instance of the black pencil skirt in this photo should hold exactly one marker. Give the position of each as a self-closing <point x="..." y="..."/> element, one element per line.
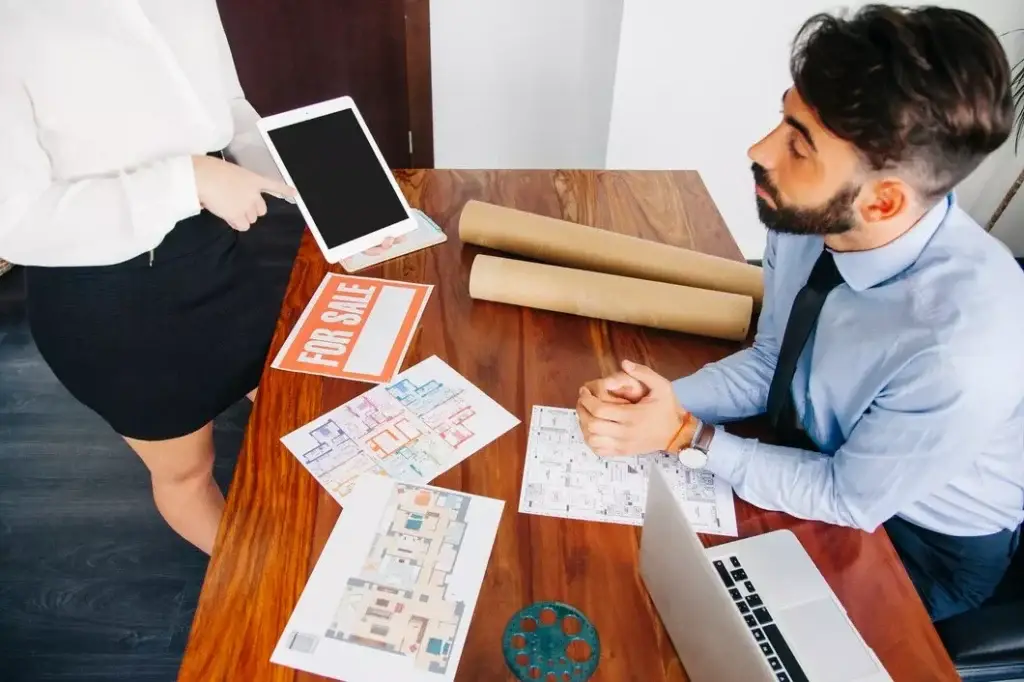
<point x="161" y="344"/>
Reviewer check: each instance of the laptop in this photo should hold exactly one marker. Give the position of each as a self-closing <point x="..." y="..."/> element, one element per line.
<point x="755" y="609"/>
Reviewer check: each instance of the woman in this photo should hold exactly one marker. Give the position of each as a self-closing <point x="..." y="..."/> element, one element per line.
<point x="122" y="127"/>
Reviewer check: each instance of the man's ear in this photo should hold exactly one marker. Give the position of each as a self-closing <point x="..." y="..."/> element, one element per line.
<point x="883" y="200"/>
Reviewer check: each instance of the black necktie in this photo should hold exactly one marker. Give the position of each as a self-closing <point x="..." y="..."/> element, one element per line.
<point x="802" y="318"/>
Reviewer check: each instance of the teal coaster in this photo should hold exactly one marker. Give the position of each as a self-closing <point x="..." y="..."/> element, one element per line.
<point x="551" y="642"/>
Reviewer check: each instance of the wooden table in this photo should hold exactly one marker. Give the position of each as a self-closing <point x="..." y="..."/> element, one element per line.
<point x="278" y="518"/>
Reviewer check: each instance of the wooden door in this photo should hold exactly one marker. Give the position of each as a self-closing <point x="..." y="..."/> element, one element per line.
<point x="290" y="53"/>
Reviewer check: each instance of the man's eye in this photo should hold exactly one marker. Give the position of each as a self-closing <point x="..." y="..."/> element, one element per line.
<point x="793" y="149"/>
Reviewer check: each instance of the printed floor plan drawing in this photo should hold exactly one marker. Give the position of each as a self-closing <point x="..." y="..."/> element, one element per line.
<point x="399" y="603"/>
<point x="393" y="592"/>
<point x="708" y="502"/>
<point x="425" y="422"/>
<point x="564" y="478"/>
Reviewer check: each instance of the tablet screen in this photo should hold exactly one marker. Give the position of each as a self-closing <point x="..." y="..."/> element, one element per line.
<point x="335" y="170"/>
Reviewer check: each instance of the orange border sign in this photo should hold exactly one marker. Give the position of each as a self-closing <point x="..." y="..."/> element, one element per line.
<point x="356" y="328"/>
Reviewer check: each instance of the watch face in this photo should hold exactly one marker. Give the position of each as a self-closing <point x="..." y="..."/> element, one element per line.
<point x="692" y="458"/>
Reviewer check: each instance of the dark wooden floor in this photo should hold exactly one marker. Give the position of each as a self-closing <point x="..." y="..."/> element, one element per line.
<point x="93" y="585"/>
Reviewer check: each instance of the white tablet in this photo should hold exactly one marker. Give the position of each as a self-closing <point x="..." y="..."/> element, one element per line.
<point x="347" y="193"/>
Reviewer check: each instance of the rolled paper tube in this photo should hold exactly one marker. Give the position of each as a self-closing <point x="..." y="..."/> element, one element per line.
<point x="611" y="297"/>
<point x="578" y="246"/>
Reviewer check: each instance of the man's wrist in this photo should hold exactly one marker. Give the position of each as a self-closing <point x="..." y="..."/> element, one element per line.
<point x="685" y="433"/>
<point x="693" y="453"/>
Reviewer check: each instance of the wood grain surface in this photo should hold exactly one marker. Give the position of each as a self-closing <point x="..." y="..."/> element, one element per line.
<point x="278" y="518"/>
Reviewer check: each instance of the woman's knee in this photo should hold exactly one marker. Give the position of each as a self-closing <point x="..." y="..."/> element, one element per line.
<point x="178" y="460"/>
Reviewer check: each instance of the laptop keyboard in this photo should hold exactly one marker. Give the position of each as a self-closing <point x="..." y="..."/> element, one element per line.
<point x="763" y="628"/>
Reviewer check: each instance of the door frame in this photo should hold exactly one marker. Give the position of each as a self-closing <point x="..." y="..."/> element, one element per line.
<point x="418" y="78"/>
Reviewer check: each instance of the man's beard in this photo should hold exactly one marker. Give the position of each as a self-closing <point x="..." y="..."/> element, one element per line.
<point x="835" y="217"/>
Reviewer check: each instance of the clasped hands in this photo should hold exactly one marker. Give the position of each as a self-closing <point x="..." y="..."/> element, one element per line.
<point x="632" y="412"/>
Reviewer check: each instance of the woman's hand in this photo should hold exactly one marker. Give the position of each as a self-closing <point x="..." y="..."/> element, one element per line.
<point x="233" y="193"/>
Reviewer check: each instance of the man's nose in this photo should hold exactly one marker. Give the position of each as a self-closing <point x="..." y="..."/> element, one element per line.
<point x="760" y="154"/>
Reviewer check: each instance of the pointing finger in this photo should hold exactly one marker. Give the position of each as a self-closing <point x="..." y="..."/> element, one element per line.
<point x="279" y="188"/>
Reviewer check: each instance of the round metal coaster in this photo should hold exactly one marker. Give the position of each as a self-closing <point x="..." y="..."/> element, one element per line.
<point x="551" y="642"/>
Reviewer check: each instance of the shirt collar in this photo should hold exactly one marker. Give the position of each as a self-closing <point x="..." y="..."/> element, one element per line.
<point x="864" y="269"/>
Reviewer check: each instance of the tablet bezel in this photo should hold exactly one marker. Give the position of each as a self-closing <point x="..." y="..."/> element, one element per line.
<point x="342" y="251"/>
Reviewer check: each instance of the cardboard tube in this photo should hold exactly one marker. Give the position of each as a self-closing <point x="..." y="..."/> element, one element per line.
<point x="577" y="246"/>
<point x="611" y="297"/>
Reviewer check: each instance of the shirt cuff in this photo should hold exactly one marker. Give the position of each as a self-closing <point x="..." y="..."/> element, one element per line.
<point x="247" y="148"/>
<point x="728" y="455"/>
<point x="160" y="195"/>
<point x="683" y="388"/>
<point x="693" y="393"/>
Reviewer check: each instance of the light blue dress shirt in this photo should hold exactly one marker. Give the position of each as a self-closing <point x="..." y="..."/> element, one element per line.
<point x="912" y="384"/>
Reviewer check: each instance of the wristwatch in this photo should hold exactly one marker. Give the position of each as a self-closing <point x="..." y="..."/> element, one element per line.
<point x="694" y="455"/>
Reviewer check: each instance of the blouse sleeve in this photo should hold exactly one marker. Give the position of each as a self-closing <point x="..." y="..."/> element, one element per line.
<point x="45" y="221"/>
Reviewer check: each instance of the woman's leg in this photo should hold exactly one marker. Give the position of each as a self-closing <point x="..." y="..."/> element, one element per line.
<point x="183" y="487"/>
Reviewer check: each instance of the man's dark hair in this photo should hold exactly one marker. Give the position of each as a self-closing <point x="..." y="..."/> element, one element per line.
<point x="923" y="90"/>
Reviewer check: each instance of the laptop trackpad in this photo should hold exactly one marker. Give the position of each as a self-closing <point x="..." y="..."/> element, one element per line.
<point x="825" y="643"/>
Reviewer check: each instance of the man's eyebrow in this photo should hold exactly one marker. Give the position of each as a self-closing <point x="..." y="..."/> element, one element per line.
<point x="802" y="129"/>
<point x="798" y="126"/>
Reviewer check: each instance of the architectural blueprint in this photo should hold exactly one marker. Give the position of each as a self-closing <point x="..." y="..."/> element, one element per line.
<point x="564" y="478"/>
<point x="413" y="429"/>
<point x="394" y="589"/>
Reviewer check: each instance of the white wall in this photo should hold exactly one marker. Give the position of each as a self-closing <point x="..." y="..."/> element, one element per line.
<point x="651" y="84"/>
<point x="523" y="83"/>
<point x="695" y="86"/>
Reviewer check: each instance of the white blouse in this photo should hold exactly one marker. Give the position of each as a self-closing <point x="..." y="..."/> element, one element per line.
<point x="102" y="105"/>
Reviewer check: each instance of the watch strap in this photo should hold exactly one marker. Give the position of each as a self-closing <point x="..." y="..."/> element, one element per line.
<point x="702" y="439"/>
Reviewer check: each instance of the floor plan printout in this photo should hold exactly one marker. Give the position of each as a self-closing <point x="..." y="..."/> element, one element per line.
<point x="424" y="422"/>
<point x="564" y="478"/>
<point x="393" y="592"/>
